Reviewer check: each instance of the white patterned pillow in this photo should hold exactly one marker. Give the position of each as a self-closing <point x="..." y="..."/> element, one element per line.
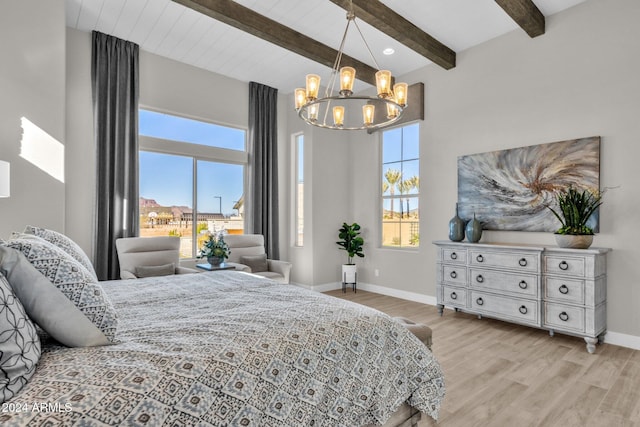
<point x="72" y="279"/>
<point x="64" y="243"/>
<point x="19" y="343"/>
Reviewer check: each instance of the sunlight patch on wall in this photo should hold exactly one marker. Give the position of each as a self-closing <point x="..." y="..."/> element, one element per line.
<point x="42" y="150"/>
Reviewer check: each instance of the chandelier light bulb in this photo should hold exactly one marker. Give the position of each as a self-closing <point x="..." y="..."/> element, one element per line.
<point x="392" y="111"/>
<point x="300" y="97"/>
<point x="368" y="112"/>
<point x="313" y="112"/>
<point x="347" y="76"/>
<point x="313" y="85"/>
<point x="383" y="83"/>
<point x="338" y="115"/>
<point x="400" y="92"/>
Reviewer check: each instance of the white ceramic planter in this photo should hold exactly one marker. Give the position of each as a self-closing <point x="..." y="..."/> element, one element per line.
<point x="574" y="241"/>
<point x="349" y="273"/>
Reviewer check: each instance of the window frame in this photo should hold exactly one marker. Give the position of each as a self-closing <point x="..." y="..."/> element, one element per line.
<point x="197" y="152"/>
<point x="382" y="197"/>
<point x="295" y="201"/>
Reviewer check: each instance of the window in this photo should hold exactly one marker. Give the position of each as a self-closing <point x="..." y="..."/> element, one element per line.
<point x="400" y="187"/>
<point x="192" y="177"/>
<point x="299" y="190"/>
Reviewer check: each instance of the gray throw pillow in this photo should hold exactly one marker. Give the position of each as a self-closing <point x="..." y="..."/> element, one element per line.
<point x="256" y="263"/>
<point x="64" y="243"/>
<point x="19" y="343"/>
<point x="70" y="280"/>
<point x="155" y="270"/>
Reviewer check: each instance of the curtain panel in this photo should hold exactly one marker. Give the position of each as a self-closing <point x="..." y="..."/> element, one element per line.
<point x="115" y="90"/>
<point x="263" y="172"/>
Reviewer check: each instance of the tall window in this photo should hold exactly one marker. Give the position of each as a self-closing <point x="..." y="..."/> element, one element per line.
<point x="192" y="177"/>
<point x="299" y="190"/>
<point x="401" y="186"/>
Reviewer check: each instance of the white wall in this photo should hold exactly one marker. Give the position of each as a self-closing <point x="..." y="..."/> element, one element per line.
<point x="582" y="78"/>
<point x="32" y="86"/>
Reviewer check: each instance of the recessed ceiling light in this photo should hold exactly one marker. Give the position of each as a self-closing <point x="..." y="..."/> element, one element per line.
<point x="388" y="51"/>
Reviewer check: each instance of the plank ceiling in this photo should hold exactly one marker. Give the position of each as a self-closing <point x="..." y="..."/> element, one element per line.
<point x="166" y="28"/>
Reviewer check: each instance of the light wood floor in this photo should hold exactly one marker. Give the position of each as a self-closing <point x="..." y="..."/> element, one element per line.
<point x="499" y="374"/>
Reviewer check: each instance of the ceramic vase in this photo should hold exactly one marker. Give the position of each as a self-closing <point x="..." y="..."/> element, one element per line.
<point x="456" y="228"/>
<point x="582" y="241"/>
<point x="215" y="260"/>
<point x="474" y="230"/>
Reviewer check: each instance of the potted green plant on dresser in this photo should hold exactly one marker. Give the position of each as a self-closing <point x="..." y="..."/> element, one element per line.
<point x="351" y="242"/>
<point x="574" y="209"/>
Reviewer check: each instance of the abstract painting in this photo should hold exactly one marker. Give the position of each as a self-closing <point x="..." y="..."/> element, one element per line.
<point x="509" y="189"/>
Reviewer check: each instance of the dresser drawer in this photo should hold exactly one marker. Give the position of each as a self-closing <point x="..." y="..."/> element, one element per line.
<point x="519" y="284"/>
<point x="516" y="309"/>
<point x="454" y="296"/>
<point x="454" y="255"/>
<point x="563" y="317"/>
<point x="564" y="265"/>
<point x="504" y="260"/>
<point x="454" y="274"/>
<point x="561" y="289"/>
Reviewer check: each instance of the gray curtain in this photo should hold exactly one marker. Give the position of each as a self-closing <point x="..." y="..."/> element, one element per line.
<point x="114" y="80"/>
<point x="263" y="153"/>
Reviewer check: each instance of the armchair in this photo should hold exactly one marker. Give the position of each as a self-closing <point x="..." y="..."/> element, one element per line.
<point x="249" y="249"/>
<point x="151" y="255"/>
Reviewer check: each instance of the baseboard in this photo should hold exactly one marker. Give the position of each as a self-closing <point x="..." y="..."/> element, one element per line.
<point x="611" y="337"/>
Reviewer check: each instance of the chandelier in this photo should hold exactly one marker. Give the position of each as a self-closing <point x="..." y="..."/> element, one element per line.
<point x="342" y="110"/>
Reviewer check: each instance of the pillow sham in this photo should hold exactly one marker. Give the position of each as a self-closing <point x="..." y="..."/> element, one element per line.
<point x="155" y="270"/>
<point x="19" y="343"/>
<point x="256" y="263"/>
<point x="64" y="243"/>
<point x="71" y="280"/>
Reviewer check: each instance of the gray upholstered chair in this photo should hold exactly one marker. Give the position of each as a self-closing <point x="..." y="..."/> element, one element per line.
<point x="248" y="254"/>
<point x="149" y="256"/>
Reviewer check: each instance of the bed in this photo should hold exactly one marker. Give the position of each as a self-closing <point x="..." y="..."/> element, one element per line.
<point x="230" y="348"/>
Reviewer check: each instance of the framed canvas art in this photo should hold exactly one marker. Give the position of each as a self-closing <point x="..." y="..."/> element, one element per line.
<point x="509" y="189"/>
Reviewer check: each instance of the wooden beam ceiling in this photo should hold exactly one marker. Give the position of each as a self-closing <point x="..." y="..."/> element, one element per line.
<point x="378" y="15"/>
<point x="526" y="14"/>
<point x="245" y="19"/>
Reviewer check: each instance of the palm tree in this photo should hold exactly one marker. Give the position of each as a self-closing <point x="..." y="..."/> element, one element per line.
<point x="393" y="176"/>
<point x="412" y="183"/>
<point x="405" y="188"/>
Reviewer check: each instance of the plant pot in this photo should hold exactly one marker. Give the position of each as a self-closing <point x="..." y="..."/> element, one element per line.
<point x="572" y="241"/>
<point x="349" y="273"/>
<point x="215" y="260"/>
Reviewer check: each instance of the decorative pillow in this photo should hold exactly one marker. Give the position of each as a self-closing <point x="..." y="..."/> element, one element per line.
<point x="64" y="243"/>
<point x="155" y="270"/>
<point x="72" y="280"/>
<point x="256" y="263"/>
<point x="19" y="343"/>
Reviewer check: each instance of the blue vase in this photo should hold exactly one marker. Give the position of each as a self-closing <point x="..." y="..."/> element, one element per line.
<point x="474" y="230"/>
<point x="456" y="228"/>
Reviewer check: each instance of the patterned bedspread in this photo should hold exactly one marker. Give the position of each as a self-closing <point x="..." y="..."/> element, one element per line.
<point x="227" y="348"/>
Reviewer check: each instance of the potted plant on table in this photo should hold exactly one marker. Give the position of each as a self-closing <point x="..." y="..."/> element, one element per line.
<point x="351" y="242"/>
<point x="574" y="209"/>
<point x="214" y="249"/>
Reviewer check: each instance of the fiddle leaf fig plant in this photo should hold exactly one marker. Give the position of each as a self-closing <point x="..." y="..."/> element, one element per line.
<point x="351" y="241"/>
<point x="574" y="208"/>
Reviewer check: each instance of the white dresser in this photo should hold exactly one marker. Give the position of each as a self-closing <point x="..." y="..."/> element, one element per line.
<point x="561" y="290"/>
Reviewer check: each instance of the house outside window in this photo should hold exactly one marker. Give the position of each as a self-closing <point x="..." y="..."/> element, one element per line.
<point x="192" y="179"/>
<point x="401" y="187"/>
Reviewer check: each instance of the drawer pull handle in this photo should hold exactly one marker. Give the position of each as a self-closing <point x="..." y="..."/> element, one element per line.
<point x="454" y="295"/>
<point x="523" y="309"/>
<point x="454" y="255"/>
<point x="563" y="316"/>
<point x="563" y="265"/>
<point x="522" y="284"/>
<point x="480" y="301"/>
<point x="563" y="289"/>
<point x="522" y="262"/>
<point x="453" y="274"/>
<point x="480" y="258"/>
<point x="479" y="279"/>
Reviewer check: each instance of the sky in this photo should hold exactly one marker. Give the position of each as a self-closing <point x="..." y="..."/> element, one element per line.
<point x="168" y="178"/>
